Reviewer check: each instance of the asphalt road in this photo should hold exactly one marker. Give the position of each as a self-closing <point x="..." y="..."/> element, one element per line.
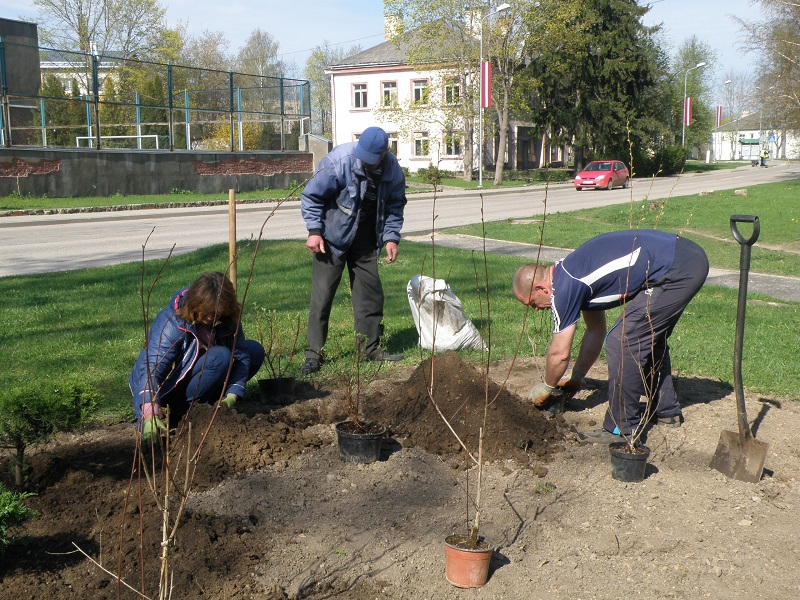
<point x="47" y="243"/>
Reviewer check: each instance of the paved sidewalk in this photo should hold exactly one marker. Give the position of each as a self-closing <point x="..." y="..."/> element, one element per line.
<point x="774" y="286"/>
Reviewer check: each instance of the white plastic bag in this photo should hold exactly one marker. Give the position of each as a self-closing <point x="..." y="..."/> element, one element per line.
<point x="438" y="314"/>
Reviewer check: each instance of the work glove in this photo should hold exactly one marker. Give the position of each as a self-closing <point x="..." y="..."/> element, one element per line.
<point x="541" y="394"/>
<point x="229" y="400"/>
<point x="152" y="428"/>
<point x="572" y="381"/>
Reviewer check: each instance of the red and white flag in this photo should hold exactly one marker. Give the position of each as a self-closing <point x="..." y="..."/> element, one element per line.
<point x="486" y="84"/>
<point x="719" y="117"/>
<point x="687" y="112"/>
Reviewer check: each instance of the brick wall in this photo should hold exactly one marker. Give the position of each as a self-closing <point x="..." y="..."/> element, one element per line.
<point x="87" y="172"/>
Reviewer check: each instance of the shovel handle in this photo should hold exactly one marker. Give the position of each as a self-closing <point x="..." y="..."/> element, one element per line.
<point x="745" y="219"/>
<point x="744" y="267"/>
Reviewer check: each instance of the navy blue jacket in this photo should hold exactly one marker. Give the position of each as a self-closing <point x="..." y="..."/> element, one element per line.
<point x="331" y="201"/>
<point x="173" y="349"/>
<point x="609" y="270"/>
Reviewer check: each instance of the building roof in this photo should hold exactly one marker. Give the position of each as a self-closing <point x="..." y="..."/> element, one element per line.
<point x="389" y="53"/>
<point x="748" y="122"/>
<point x="393" y="52"/>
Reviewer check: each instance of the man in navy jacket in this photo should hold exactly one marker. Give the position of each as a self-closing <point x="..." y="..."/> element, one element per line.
<point x="352" y="206"/>
<point x="655" y="275"/>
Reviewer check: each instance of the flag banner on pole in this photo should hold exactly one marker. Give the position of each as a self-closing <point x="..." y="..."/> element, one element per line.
<point x="719" y="116"/>
<point x="687" y="111"/>
<point x="486" y="84"/>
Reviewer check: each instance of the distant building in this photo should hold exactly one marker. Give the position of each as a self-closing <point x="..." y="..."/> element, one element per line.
<point x="416" y="106"/>
<point x="743" y="138"/>
<point x="69" y="66"/>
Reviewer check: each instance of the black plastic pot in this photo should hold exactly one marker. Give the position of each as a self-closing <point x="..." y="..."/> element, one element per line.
<point x="359" y="444"/>
<point x="277" y="390"/>
<point x="628" y="465"/>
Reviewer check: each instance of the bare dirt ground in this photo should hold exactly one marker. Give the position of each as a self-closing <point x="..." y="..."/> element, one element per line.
<point x="274" y="514"/>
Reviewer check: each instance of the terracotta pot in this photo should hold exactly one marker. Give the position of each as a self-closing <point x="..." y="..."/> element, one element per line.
<point x="465" y="566"/>
<point x="628" y="465"/>
<point x="359" y="443"/>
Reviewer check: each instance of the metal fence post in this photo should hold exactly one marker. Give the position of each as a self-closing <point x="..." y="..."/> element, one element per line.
<point x="231" y="109"/>
<point x="239" y="118"/>
<point x="43" y="121"/>
<point x="88" y="102"/>
<point x="188" y="124"/>
<point x="171" y="104"/>
<point x="5" y="114"/>
<point x="283" y="117"/>
<point x="96" y="92"/>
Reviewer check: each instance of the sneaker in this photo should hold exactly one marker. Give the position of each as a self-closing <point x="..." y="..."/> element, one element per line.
<point x="312" y="365"/>
<point x="670" y="421"/>
<point x="600" y="436"/>
<point x="383" y="356"/>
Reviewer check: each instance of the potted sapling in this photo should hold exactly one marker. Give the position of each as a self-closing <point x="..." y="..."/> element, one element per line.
<point x="359" y="441"/>
<point x="279" y="337"/>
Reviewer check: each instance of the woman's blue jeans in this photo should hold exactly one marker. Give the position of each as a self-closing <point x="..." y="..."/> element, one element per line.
<point x="204" y="383"/>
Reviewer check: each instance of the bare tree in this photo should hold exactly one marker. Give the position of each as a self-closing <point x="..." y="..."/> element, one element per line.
<point x="322" y="57"/>
<point x="124" y="26"/>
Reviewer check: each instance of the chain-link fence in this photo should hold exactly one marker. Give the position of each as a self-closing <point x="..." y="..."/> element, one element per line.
<point x="96" y="101"/>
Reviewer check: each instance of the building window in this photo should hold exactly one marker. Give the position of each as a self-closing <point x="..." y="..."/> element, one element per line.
<point x="421" y="143"/>
<point x="360" y="95"/>
<point x="420" y="92"/>
<point x="452" y="143"/>
<point x="389" y="93"/>
<point x="392" y="142"/>
<point x="452" y="92"/>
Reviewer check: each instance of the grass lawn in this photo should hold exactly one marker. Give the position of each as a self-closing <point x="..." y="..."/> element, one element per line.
<point x="705" y="219"/>
<point x="91" y="321"/>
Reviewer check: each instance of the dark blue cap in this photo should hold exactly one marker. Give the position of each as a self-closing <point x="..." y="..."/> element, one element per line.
<point x="371" y="145"/>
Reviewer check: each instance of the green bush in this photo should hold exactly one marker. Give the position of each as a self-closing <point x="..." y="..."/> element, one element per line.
<point x="668" y="160"/>
<point x="13" y="513"/>
<point x="434" y="175"/>
<point x="29" y="415"/>
<point x="553" y="175"/>
<point x="671" y="159"/>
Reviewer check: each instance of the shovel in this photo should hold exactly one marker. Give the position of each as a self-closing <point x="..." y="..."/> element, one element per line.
<point x="739" y="455"/>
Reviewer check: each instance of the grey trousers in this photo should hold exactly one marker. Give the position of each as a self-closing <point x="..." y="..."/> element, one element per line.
<point x="361" y="260"/>
<point x="637" y="352"/>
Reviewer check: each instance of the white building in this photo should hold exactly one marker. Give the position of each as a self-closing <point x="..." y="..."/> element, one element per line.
<point x="744" y="138"/>
<point x="414" y="107"/>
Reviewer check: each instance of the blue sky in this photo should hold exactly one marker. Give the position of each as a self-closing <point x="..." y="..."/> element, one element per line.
<point x="301" y="25"/>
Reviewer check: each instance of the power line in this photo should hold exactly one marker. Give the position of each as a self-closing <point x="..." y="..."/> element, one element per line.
<point x="337" y="44"/>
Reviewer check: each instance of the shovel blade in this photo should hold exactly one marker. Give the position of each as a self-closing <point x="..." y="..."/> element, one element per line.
<point x="739" y="457"/>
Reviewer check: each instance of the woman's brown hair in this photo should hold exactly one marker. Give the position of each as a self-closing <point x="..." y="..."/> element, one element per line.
<point x="212" y="294"/>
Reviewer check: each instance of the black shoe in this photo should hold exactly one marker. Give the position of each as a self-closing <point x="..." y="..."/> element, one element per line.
<point x="383" y="356"/>
<point x="312" y="365"/>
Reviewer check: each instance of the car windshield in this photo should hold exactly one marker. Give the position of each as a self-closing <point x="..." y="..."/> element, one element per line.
<point x="598" y="166"/>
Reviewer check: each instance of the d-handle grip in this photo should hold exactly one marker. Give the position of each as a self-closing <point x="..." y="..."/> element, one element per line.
<point x="745" y="219"/>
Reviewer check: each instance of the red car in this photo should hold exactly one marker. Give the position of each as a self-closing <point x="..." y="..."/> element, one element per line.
<point x="606" y="174"/>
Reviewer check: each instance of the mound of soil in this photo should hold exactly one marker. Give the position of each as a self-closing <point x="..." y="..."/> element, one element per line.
<point x="269" y="511"/>
<point x="513" y="427"/>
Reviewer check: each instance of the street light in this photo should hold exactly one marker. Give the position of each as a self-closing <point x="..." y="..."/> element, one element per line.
<point x="502" y="8"/>
<point x="683" y="125"/>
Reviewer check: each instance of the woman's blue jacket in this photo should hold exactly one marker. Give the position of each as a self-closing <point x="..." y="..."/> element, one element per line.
<point x="172" y="350"/>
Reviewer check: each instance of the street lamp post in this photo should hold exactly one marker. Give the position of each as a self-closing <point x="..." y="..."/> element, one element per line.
<point x="502" y="8"/>
<point x="683" y="125"/>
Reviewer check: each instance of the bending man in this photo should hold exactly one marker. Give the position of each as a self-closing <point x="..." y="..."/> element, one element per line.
<point x="655" y="274"/>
